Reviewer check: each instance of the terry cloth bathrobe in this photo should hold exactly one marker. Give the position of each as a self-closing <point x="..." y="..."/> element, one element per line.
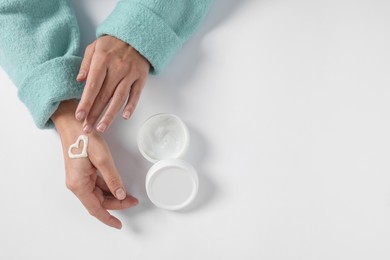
<point x="39" y="42"/>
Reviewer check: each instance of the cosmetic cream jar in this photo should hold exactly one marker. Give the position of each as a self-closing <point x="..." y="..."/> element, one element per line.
<point x="171" y="183"/>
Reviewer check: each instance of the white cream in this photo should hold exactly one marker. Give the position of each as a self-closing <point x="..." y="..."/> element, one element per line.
<point x="163" y="136"/>
<point x="76" y="145"/>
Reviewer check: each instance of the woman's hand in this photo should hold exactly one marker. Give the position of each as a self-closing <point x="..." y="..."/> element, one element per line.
<point x="114" y="71"/>
<point x="97" y="193"/>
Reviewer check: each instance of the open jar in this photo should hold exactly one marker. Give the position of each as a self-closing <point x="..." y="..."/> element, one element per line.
<point x="171" y="183"/>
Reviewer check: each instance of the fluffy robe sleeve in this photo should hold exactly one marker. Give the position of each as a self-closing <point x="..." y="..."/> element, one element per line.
<point x="39" y="41"/>
<point x="156" y="28"/>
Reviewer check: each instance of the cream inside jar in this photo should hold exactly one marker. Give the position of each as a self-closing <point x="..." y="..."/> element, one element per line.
<point x="163" y="136"/>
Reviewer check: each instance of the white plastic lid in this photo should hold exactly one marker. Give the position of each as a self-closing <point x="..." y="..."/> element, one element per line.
<point x="163" y="136"/>
<point x="172" y="184"/>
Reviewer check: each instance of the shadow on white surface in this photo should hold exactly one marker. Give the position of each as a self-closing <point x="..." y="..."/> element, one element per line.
<point x="196" y="155"/>
<point x="133" y="168"/>
<point x="86" y="25"/>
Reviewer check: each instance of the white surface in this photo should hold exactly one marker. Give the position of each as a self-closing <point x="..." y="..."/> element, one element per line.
<point x="163" y="136"/>
<point x="287" y="103"/>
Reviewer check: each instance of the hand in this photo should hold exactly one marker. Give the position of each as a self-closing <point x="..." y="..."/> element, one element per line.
<point x="114" y="71"/>
<point x="97" y="193"/>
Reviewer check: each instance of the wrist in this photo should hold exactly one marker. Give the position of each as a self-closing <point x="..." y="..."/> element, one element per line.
<point x="64" y="119"/>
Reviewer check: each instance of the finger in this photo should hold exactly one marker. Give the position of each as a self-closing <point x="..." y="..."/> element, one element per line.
<point x="102" y="100"/>
<point x="107" y="169"/>
<point x="102" y="184"/>
<point x="96" y="76"/>
<point x="135" y="94"/>
<point x="108" y="200"/>
<point x="86" y="63"/>
<point x="92" y="204"/>
<point x="118" y="99"/>
<point x="112" y="203"/>
<point x="99" y="194"/>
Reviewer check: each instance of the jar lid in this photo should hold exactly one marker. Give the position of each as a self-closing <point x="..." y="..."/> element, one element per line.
<point x="163" y="136"/>
<point x="172" y="184"/>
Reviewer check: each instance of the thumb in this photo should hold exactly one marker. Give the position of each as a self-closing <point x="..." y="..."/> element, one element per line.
<point x="106" y="167"/>
<point x="86" y="63"/>
<point x="113" y="181"/>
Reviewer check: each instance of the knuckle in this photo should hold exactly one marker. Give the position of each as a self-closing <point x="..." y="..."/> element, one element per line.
<point x="108" y="118"/>
<point x="136" y="94"/>
<point x="119" y="67"/>
<point x="104" y="97"/>
<point x="134" y="72"/>
<point x="92" y="84"/>
<point x="90" y="46"/>
<point x="140" y="72"/>
<point x="93" y="212"/>
<point x="103" y="57"/>
<point x="101" y="159"/>
<point x="113" y="182"/>
<point x="123" y="65"/>
<point x="87" y="104"/>
<point x="88" y="50"/>
<point x="92" y="119"/>
<point x="121" y="95"/>
<point x="85" y="64"/>
<point x="130" y="107"/>
<point x="145" y="74"/>
<point x="71" y="185"/>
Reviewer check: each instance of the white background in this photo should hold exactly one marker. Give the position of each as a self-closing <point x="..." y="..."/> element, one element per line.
<point x="288" y="108"/>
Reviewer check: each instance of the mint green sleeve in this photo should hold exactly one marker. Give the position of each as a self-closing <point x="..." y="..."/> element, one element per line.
<point x="156" y="28"/>
<point x="39" y="40"/>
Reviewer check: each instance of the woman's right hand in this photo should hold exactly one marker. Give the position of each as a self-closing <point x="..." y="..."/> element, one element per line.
<point x="97" y="193"/>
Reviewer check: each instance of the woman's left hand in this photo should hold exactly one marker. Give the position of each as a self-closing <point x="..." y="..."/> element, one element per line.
<point x="97" y="192"/>
<point x="114" y="72"/>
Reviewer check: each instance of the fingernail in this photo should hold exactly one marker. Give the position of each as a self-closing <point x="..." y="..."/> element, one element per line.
<point x="81" y="75"/>
<point x="126" y="115"/>
<point x="120" y="194"/>
<point x="101" y="127"/>
<point x="80" y="115"/>
<point x="87" y="128"/>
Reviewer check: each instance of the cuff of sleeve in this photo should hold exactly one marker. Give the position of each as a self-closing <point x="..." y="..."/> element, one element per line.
<point x="46" y="86"/>
<point x="145" y="31"/>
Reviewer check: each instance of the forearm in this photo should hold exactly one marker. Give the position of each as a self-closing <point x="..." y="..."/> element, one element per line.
<point x="67" y="126"/>
<point x="39" y="41"/>
<point x="69" y="129"/>
<point x="64" y="119"/>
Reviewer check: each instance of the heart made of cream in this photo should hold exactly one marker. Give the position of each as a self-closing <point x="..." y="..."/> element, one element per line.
<point x="76" y="145"/>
